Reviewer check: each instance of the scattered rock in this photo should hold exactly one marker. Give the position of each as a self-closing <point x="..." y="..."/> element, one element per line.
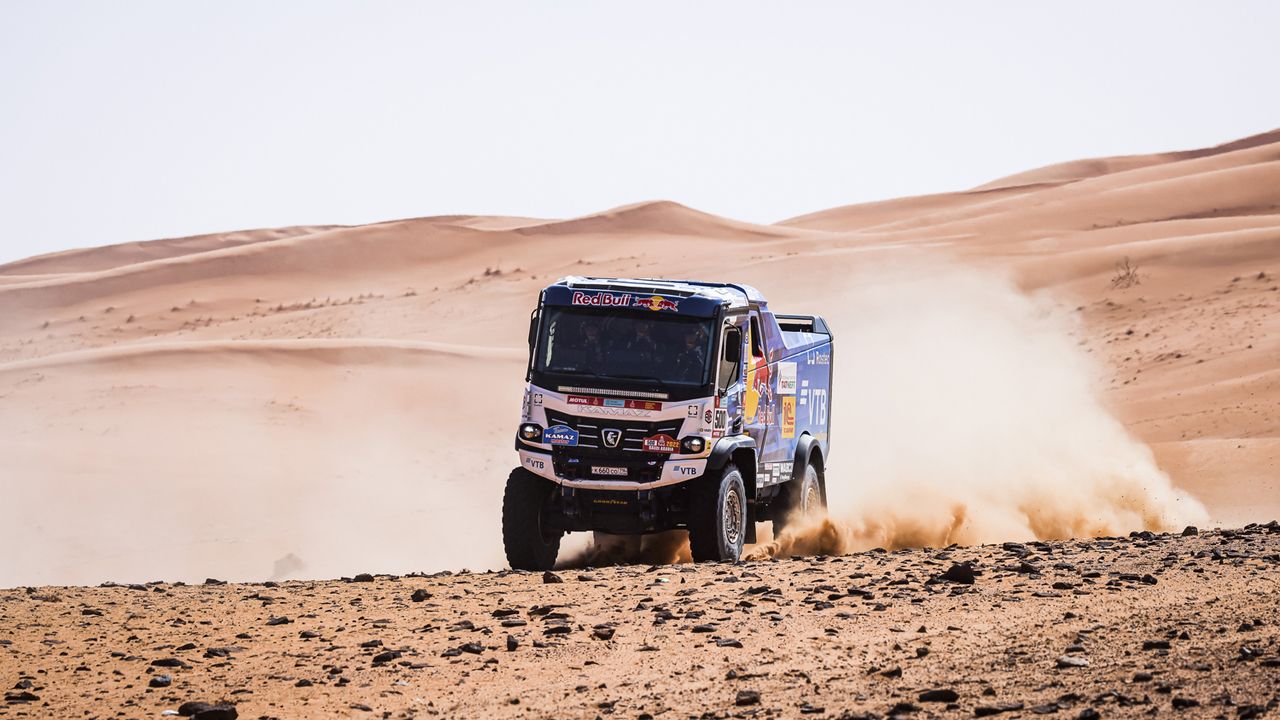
<point x="1071" y="661"/>
<point x="989" y="710"/>
<point x="419" y="595"/>
<point x="386" y="657"/>
<point x="208" y="711"/>
<point x="160" y="681"/>
<point x="747" y="697"/>
<point x="960" y="573"/>
<point x="549" y="577"/>
<point x="943" y="695"/>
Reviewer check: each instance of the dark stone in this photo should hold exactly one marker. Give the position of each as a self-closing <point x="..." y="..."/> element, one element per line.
<point x="207" y="711"/>
<point x="747" y="697"/>
<point x="549" y="577"/>
<point x="943" y="695"/>
<point x="212" y="581"/>
<point x="1190" y="530"/>
<point x="473" y="648"/>
<point x="602" y="632"/>
<point x="278" y="621"/>
<point x="988" y="710"/>
<point x="512" y="643"/>
<point x="386" y="657"/>
<point x="160" y="681"/>
<point x="960" y="573"/>
<point x="362" y="577"/>
<point x="729" y="642"/>
<point x="1182" y="703"/>
<point x="1155" y="644"/>
<point x="167" y="662"/>
<point x="303" y="683"/>
<point x="419" y="595"/>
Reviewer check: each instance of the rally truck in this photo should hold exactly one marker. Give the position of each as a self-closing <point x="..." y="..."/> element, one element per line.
<point x="655" y="405"/>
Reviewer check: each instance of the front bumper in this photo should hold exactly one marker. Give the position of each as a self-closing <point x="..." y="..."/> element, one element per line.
<point x="668" y="472"/>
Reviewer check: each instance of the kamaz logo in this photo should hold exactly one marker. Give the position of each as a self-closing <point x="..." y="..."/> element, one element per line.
<point x="611" y="437"/>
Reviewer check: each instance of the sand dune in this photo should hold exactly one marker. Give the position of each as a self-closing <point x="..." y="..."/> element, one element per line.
<point x="380" y="365"/>
<point x="90" y="259"/>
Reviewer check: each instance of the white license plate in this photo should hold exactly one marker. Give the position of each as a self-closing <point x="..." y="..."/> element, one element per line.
<point x="598" y="470"/>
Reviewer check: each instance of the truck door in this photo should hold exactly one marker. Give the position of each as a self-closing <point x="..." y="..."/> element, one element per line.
<point x="758" y="398"/>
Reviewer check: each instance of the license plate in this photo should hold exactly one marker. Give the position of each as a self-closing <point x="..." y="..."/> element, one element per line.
<point x="598" y="470"/>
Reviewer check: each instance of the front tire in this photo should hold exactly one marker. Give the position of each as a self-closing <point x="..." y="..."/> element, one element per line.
<point x="718" y="517"/>
<point x="529" y="545"/>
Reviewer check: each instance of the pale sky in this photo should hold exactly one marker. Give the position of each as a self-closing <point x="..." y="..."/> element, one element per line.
<point x="124" y="121"/>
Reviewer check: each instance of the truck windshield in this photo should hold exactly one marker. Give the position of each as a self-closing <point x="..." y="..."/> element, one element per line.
<point x="667" y="349"/>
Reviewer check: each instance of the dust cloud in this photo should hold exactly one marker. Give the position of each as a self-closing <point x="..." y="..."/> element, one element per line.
<point x="966" y="411"/>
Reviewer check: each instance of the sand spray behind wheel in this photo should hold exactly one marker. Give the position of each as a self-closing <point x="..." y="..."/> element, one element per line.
<point x="967" y="411"/>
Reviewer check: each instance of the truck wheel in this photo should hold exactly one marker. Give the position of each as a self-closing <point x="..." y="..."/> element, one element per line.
<point x="529" y="546"/>
<point x="718" y="517"/>
<point x="801" y="499"/>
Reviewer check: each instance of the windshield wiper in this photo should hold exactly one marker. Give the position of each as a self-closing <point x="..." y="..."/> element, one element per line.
<point x="621" y="376"/>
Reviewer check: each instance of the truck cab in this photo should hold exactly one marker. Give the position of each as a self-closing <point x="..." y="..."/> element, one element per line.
<point x="654" y="405"/>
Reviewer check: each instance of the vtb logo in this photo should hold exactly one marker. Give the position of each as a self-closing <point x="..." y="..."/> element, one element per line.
<point x="612" y="436"/>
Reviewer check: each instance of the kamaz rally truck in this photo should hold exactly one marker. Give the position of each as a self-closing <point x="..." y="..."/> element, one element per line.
<point x="654" y="405"/>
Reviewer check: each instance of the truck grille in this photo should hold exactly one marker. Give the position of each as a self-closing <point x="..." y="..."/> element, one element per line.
<point x="633" y="433"/>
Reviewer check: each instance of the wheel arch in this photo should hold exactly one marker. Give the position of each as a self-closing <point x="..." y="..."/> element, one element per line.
<point x="809" y="450"/>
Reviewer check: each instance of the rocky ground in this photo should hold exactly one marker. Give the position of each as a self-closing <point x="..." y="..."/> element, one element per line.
<point x="1160" y="625"/>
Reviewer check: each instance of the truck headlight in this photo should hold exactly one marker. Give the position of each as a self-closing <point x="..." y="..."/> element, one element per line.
<point x="531" y="432"/>
<point x="693" y="445"/>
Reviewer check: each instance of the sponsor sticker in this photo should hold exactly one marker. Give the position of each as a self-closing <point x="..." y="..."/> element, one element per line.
<point x="535" y="463"/>
<point x="589" y="401"/>
<point x="684" y="470"/>
<point x="789" y="416"/>
<point x="819" y="357"/>
<point x="660" y="444"/>
<point x="693" y="411"/>
<point x="560" y="435"/>
<point x="786" y="378"/>
<point x="605" y="470"/>
<point x="601" y="299"/>
<point x="656" y="302"/>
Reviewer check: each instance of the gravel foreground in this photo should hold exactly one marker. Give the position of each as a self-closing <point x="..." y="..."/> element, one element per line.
<point x="1182" y="625"/>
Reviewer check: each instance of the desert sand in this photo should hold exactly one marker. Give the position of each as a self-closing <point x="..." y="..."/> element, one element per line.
<point x="310" y="402"/>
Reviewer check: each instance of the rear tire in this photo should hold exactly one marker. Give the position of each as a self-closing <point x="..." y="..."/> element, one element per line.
<point x="529" y="545"/>
<point x="718" y="517"/>
<point x="800" y="499"/>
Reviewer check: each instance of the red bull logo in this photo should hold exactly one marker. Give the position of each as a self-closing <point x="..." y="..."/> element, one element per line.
<point x="655" y="302"/>
<point x="601" y="299"/>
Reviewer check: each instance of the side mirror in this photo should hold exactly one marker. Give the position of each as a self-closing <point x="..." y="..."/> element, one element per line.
<point x="733" y="348"/>
<point x="533" y="328"/>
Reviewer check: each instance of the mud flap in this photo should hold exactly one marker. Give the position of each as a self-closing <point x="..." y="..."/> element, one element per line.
<point x="751" y="524"/>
